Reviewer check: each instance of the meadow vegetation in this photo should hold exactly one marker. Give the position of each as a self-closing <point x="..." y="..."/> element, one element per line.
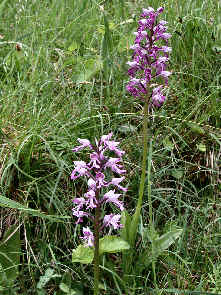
<point x="63" y="74"/>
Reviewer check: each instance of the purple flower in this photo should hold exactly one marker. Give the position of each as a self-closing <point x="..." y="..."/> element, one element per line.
<point x="84" y="143"/>
<point x="150" y="57"/>
<point x="157" y="97"/>
<point x="113" y="220"/>
<point x="116" y="181"/>
<point x="88" y="237"/>
<point x="79" y="213"/>
<point x="165" y="74"/>
<point x="111" y="197"/>
<point x="80" y="169"/>
<point x="79" y="202"/>
<point x="92" y="201"/>
<point x="95" y="171"/>
<point x="112" y="146"/>
<point x="113" y="164"/>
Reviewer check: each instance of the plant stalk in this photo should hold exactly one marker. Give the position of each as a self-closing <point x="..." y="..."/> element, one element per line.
<point x="136" y="216"/>
<point x="96" y="250"/>
<point x="151" y="223"/>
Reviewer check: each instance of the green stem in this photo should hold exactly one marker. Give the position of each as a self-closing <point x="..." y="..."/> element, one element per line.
<point x="149" y="190"/>
<point x="151" y="214"/>
<point x="143" y="176"/>
<point x="96" y="250"/>
<point x="144" y="161"/>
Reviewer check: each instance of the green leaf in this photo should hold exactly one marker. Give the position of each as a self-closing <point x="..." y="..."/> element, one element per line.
<point x="41" y="292"/>
<point x="168" y="144"/>
<point x="217" y="49"/>
<point x="10" y="250"/>
<point x="128" y="128"/>
<point x="49" y="274"/>
<point x="74" y="45"/>
<point x="160" y="245"/>
<point x="73" y="286"/>
<point x="101" y="29"/>
<point x="107" y="35"/>
<point x="196" y="128"/>
<point x="165" y="241"/>
<point x="87" y="69"/>
<point x="63" y="287"/>
<point x="126" y="221"/>
<point x="112" y="244"/>
<point x="177" y="173"/>
<point x="84" y="255"/>
<point x="8" y="203"/>
<point x="201" y="147"/>
<point x="2" y="6"/>
<point x="106" y="49"/>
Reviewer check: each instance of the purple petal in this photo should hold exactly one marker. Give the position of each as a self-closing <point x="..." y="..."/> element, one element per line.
<point x="79" y="201"/>
<point x="84" y="143"/>
<point x="116" y="181"/>
<point x="165" y="74"/>
<point x="115" y="167"/>
<point x="106" y="137"/>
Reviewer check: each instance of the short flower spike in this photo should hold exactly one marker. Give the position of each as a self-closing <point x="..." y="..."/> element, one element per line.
<point x="95" y="171"/>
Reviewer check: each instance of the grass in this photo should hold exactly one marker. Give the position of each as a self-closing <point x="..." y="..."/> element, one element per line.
<point x="63" y="76"/>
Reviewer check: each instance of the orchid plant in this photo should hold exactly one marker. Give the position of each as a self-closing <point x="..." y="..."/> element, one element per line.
<point x="148" y="80"/>
<point x="101" y="193"/>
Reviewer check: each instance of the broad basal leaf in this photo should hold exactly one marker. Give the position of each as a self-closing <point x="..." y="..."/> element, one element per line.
<point x="10" y="250"/>
<point x="126" y="221"/>
<point x="165" y="241"/>
<point x="49" y="274"/>
<point x="112" y="244"/>
<point x="83" y="255"/>
<point x="87" y="69"/>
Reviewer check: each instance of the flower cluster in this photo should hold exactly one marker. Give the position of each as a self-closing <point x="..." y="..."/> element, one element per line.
<point x="94" y="172"/>
<point x="150" y="57"/>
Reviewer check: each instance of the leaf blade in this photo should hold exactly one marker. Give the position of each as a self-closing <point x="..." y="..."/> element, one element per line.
<point x="112" y="244"/>
<point x="84" y="255"/>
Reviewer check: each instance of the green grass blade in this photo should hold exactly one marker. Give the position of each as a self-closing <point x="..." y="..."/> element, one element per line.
<point x="8" y="203"/>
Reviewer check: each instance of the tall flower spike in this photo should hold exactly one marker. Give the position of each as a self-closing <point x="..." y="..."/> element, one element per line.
<point x="150" y="58"/>
<point x="95" y="171"/>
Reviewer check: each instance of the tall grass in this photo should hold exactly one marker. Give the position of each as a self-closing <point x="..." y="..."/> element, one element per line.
<point x="63" y="76"/>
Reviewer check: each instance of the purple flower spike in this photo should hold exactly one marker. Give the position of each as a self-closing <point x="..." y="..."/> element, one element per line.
<point x="94" y="171"/>
<point x="150" y="57"/>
